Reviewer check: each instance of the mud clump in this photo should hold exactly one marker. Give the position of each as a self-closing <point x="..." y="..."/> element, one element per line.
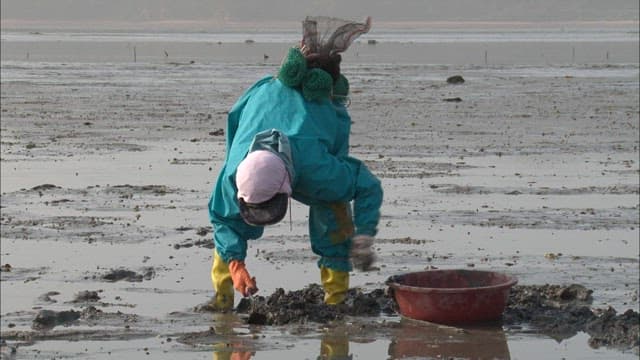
<point x="44" y="187"/>
<point x="609" y="329"/>
<point x="563" y="311"/>
<point x="128" y="275"/>
<point x="455" y="79"/>
<point x="48" y="319"/>
<point x="86" y="296"/>
<point x="554" y="310"/>
<point x="46" y="297"/>
<point x="306" y="305"/>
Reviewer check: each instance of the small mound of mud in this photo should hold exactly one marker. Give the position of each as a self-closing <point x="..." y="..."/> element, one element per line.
<point x="305" y="305"/>
<point x="609" y="329"/>
<point x="6" y="268"/>
<point x="46" y="297"/>
<point x="455" y="79"/>
<point x="44" y="187"/>
<point x="123" y="274"/>
<point x="554" y="310"/>
<point x="559" y="310"/>
<point x="48" y="319"/>
<point x="563" y="311"/>
<point x="86" y="296"/>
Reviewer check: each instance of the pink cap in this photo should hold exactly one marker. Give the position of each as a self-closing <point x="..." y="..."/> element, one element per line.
<point x="260" y="176"/>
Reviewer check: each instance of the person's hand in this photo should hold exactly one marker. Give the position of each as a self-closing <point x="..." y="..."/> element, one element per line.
<point x="362" y="255"/>
<point x="304" y="49"/>
<point x="242" y="281"/>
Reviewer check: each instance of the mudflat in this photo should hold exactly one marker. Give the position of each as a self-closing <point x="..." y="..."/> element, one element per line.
<point x="526" y="169"/>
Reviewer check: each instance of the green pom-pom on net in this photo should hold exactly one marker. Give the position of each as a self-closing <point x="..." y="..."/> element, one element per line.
<point x="293" y="69"/>
<point x="341" y="89"/>
<point x="317" y="84"/>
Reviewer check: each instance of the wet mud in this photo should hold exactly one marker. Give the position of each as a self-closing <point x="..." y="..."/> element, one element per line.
<point x="552" y="310"/>
<point x="557" y="311"/>
<point x="105" y="235"/>
<point x="128" y="275"/>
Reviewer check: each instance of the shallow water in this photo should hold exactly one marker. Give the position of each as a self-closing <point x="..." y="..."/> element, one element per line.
<point x="540" y="157"/>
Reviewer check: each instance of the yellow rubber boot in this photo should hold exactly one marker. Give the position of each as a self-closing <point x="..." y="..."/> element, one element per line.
<point x="222" y="283"/>
<point x="335" y="284"/>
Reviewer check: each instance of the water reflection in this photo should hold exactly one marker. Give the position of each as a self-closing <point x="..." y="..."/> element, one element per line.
<point x="403" y="339"/>
<point x="334" y="346"/>
<point x="426" y="340"/>
<point x="231" y="346"/>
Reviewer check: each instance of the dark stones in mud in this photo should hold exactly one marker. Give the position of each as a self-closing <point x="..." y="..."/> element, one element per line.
<point x="308" y="305"/>
<point x="48" y="319"/>
<point x="123" y="274"/>
<point x="6" y="268"/>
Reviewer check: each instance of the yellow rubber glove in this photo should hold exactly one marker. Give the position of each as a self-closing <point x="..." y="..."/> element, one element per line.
<point x="242" y="281"/>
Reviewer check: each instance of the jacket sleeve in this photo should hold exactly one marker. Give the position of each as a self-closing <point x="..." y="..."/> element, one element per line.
<point x="324" y="178"/>
<point x="230" y="231"/>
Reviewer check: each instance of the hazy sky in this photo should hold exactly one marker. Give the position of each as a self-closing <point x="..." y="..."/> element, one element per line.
<point x="137" y="12"/>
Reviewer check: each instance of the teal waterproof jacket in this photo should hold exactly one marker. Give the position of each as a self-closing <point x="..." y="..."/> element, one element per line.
<point x="323" y="176"/>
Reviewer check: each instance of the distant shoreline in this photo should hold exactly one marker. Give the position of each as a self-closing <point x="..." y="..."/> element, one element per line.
<point x="217" y="26"/>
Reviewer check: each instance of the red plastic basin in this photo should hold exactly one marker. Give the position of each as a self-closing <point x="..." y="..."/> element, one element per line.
<point x="452" y="296"/>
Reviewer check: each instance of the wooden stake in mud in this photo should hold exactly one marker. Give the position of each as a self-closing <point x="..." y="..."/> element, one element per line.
<point x="134" y="54"/>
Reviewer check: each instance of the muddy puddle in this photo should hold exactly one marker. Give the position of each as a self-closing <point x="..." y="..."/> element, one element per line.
<point x="261" y="324"/>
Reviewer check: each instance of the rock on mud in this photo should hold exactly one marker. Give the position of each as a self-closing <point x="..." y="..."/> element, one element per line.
<point x="455" y="79"/>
